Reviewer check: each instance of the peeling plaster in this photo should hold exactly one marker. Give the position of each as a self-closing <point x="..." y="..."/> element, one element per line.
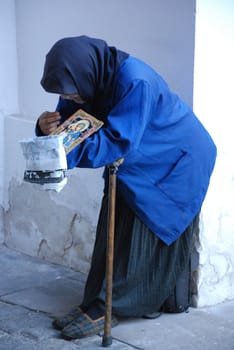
<point x="39" y="225"/>
<point x="69" y="241"/>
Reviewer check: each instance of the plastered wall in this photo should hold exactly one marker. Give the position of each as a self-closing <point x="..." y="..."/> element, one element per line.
<point x="8" y="87"/>
<point x="213" y="102"/>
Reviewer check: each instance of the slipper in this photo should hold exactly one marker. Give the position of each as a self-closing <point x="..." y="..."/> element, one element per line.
<point x="61" y="322"/>
<point x="83" y="326"/>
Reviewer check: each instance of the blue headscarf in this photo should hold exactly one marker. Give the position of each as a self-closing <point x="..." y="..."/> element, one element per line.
<point x="85" y="66"/>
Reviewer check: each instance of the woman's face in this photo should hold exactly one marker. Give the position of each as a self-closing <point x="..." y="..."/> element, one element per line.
<point x="76" y="98"/>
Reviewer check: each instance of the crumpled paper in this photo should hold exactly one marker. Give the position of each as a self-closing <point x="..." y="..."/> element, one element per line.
<point x="46" y="161"/>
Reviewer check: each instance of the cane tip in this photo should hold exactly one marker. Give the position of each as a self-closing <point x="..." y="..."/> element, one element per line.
<point x="106" y="341"/>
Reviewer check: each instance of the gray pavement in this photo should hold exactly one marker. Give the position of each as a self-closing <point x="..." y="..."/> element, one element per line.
<point x="32" y="292"/>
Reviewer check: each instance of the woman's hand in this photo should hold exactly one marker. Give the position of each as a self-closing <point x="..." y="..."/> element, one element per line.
<point x="49" y="121"/>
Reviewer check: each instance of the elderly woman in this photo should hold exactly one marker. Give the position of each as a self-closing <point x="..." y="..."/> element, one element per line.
<point x="168" y="160"/>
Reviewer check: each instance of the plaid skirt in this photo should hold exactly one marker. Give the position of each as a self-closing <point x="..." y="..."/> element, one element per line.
<point x="145" y="269"/>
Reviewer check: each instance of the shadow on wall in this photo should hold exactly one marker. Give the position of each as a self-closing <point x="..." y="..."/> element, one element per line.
<point x="1" y="225"/>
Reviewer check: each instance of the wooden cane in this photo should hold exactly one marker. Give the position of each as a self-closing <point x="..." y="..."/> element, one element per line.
<point x="113" y="168"/>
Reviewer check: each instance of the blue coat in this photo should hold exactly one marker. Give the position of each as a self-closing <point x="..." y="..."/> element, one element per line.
<point x="168" y="154"/>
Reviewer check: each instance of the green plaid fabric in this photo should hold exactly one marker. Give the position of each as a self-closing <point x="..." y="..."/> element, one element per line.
<point x="61" y="322"/>
<point x="84" y="326"/>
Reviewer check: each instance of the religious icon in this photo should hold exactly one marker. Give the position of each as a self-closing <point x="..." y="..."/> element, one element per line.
<point x="77" y="128"/>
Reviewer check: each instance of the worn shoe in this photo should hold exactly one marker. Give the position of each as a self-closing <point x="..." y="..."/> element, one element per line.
<point x="83" y="326"/>
<point x="61" y="322"/>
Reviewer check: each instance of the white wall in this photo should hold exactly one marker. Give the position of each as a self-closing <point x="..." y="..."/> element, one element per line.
<point x="213" y="103"/>
<point x="8" y="83"/>
<point x="160" y="32"/>
<point x="8" y="58"/>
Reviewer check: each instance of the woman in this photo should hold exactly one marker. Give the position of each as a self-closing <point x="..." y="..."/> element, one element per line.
<point x="168" y="160"/>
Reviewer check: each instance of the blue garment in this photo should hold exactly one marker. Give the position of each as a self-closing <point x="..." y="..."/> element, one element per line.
<point x="168" y="154"/>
